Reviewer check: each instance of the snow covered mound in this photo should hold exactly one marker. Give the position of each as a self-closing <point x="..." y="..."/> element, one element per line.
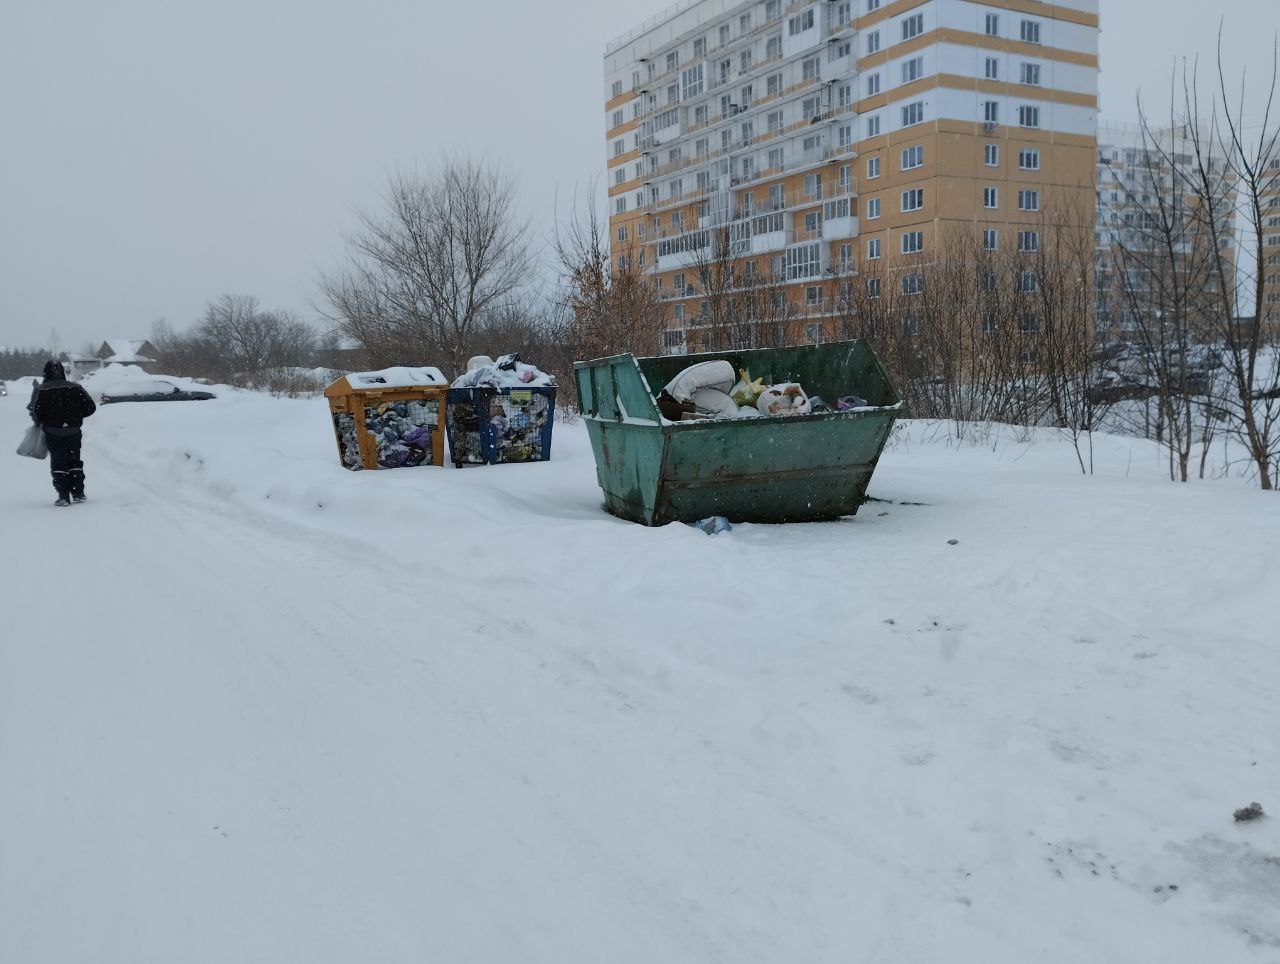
<point x="256" y="707"/>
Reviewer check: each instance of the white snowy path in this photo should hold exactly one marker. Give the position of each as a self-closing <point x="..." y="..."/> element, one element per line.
<point x="256" y="708"/>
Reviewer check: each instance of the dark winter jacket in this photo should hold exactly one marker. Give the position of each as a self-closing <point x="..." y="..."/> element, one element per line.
<point x="60" y="407"/>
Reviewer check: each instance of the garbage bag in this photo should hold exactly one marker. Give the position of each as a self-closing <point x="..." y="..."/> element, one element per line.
<point x="33" y="444"/>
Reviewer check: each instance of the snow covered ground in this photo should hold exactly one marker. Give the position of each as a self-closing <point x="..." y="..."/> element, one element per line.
<point x="257" y="708"/>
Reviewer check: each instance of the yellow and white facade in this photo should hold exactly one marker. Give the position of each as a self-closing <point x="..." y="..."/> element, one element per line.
<point x="823" y="137"/>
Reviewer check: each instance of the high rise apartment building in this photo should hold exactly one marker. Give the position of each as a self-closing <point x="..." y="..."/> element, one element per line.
<point x="1151" y="222"/>
<point x="1271" y="243"/>
<point x="820" y="140"/>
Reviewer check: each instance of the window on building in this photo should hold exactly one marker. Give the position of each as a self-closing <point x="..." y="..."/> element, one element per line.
<point x="989" y="282"/>
<point x="700" y="47"/>
<point x="724" y="34"/>
<point x="873" y="168"/>
<point x="1028" y="116"/>
<point x="1031" y="74"/>
<point x="873" y="208"/>
<point x="812" y="297"/>
<point x="812" y="221"/>
<point x="844" y="135"/>
<point x="773" y="47"/>
<point x="619" y="175"/>
<point x="912" y="70"/>
<point x="844" y="178"/>
<point x="913" y="157"/>
<point x="810" y="67"/>
<point x="773" y="121"/>
<point x="913" y="114"/>
<point x="992" y="69"/>
<point x="1030" y="31"/>
<point x="1029" y="159"/>
<point x="912" y="284"/>
<point x="798" y="25"/>
<point x="991" y="111"/>
<point x="990" y="197"/>
<point x="873" y="249"/>
<point x="873" y="5"/>
<point x="912" y="26"/>
<point x="912" y="242"/>
<point x="873" y="287"/>
<point x="1028" y="200"/>
<point x="1029" y="241"/>
<point x="991" y="155"/>
<point x="813" y="185"/>
<point x="989" y="323"/>
<point x="773" y="84"/>
<point x="673" y="60"/>
<point x="619" y="147"/>
<point x="617" y="88"/>
<point x="993" y="25"/>
<point x="620" y="206"/>
<point x="811" y="107"/>
<point x="692" y="81"/>
<point x="1028" y="323"/>
<point x="873" y="125"/>
<point x="873" y="41"/>
<point x="772" y="9"/>
<point x="873" y="84"/>
<point x="1028" y="283"/>
<point x="912" y="200"/>
<point x="989" y="239"/>
<point x="804" y="261"/>
<point x="744" y="24"/>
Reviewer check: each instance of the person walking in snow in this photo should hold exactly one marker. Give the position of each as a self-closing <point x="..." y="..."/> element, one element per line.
<point x="60" y="407"/>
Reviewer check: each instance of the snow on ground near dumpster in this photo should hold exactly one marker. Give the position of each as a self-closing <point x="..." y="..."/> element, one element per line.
<point x="255" y="707"/>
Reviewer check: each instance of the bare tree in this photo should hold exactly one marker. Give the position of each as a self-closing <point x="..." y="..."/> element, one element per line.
<point x="246" y="340"/>
<point x="1251" y="338"/>
<point x="1193" y="296"/>
<point x="423" y="274"/>
<point x="610" y="305"/>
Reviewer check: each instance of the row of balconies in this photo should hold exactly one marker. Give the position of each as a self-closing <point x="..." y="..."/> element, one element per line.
<point x="758" y="140"/>
<point x="711" y="83"/>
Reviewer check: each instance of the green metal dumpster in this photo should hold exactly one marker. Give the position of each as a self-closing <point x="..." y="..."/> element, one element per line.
<point x="777" y="469"/>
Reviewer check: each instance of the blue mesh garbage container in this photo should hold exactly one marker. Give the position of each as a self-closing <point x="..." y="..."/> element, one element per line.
<point x="488" y="426"/>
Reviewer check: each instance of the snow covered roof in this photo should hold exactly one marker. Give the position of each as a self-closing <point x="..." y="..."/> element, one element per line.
<point x="124" y="350"/>
<point x="396" y="378"/>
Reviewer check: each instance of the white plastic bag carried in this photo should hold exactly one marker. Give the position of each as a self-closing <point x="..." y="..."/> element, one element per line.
<point x="33" y="444"/>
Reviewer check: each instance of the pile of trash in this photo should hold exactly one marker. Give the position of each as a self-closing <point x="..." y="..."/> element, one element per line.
<point x="507" y="372"/>
<point x="708" y="390"/>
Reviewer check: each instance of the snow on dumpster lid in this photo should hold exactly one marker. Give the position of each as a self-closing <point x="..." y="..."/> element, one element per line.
<point x="397" y="378"/>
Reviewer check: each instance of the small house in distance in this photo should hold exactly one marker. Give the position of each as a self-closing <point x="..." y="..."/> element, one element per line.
<point x="122" y="351"/>
<point x="77" y="364"/>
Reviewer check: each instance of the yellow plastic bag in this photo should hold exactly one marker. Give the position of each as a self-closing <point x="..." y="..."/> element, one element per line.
<point x="747" y="391"/>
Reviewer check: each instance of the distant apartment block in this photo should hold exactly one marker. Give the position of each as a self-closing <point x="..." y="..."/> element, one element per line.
<point x="1271" y="243"/>
<point x="824" y="139"/>
<point x="1147" y="207"/>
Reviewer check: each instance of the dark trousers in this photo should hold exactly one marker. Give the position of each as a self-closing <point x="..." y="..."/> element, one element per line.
<point x="64" y="462"/>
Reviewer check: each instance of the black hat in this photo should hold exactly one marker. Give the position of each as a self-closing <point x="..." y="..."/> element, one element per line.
<point x="53" y="370"/>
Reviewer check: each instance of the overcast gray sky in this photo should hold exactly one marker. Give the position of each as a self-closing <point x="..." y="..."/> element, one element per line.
<point x="155" y="154"/>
